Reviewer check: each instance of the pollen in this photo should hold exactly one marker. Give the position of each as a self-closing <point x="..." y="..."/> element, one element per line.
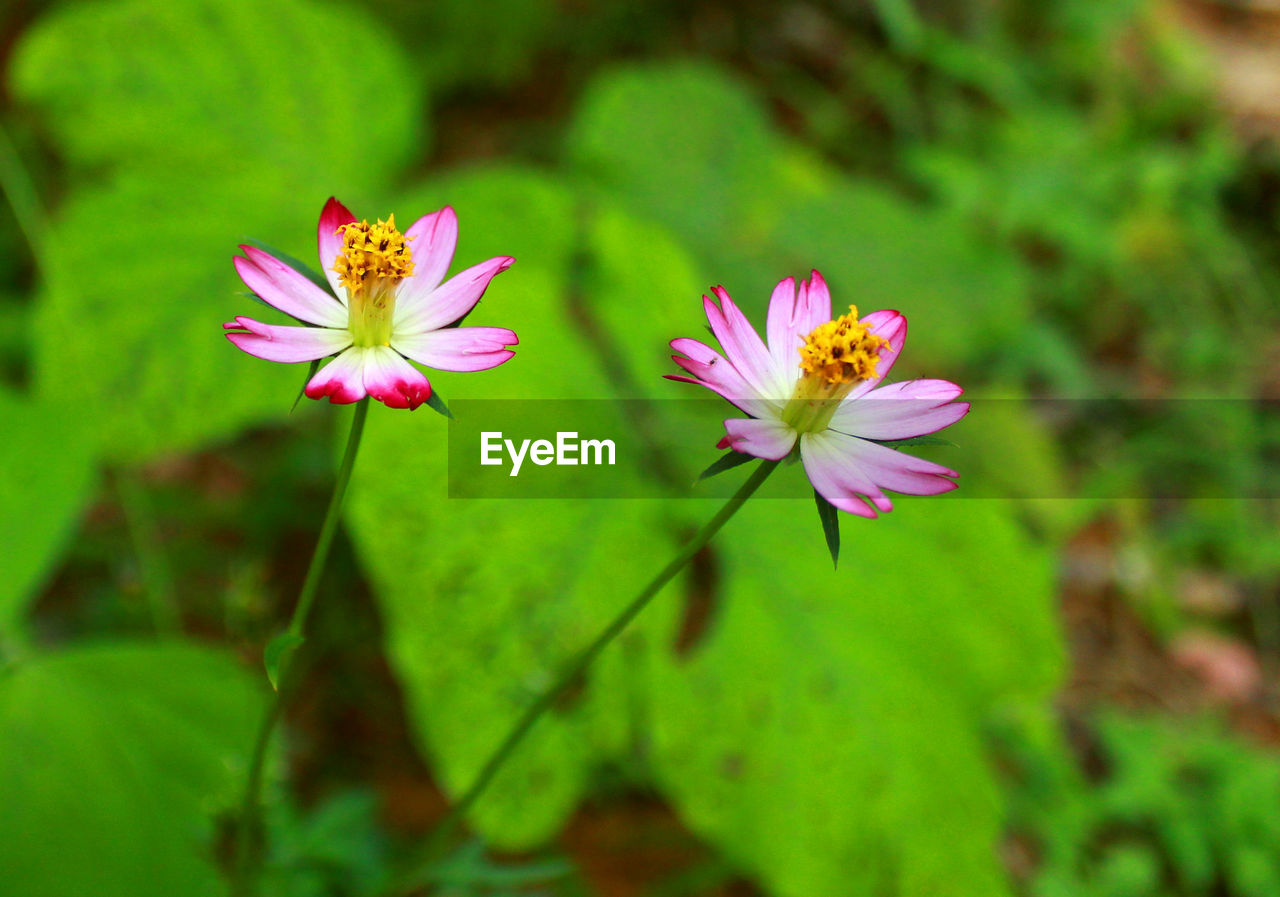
<point x="842" y="351"/>
<point x="372" y="254"/>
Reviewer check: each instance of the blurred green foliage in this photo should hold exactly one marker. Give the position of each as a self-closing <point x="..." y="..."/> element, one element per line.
<point x="752" y="205"/>
<point x="335" y="848"/>
<point x="41" y="501"/>
<point x="1044" y="189"/>
<point x="1175" y="808"/>
<point x="116" y="759"/>
<point x="719" y="732"/>
<point x="187" y="127"/>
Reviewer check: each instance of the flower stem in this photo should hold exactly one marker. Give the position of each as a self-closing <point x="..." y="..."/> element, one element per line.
<point x="440" y="837"/>
<point x="249" y="829"/>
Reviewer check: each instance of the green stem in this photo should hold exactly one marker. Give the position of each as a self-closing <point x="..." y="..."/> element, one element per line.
<point x="440" y="837"/>
<point x="307" y="596"/>
<point x="249" y="831"/>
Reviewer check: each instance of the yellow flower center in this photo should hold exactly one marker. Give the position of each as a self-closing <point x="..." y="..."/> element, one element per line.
<point x="842" y="351"/>
<point x="835" y="357"/>
<point x="374" y="258"/>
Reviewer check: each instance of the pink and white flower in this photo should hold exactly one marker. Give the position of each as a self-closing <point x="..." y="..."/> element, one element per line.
<point x="818" y="384"/>
<point x="389" y="302"/>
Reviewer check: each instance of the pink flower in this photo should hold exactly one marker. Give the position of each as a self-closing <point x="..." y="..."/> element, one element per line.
<point x="818" y="383"/>
<point x="388" y="304"/>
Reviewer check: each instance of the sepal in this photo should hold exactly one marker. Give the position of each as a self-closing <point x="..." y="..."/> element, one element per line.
<point x="311" y="372"/>
<point x="830" y="518"/>
<point x="914" y="440"/>
<point x="437" y="404"/>
<point x="728" y="461"/>
<point x="277" y="652"/>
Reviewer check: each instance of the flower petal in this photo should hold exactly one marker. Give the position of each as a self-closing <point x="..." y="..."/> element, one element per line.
<point x="783" y="327"/>
<point x="765" y="437"/>
<point x="836" y="479"/>
<point x="818" y="305"/>
<point x="287" y="344"/>
<point x="288" y="290"/>
<point x="891" y="469"/>
<point x="432" y="240"/>
<point x="893" y="327"/>
<point x="743" y="346"/>
<point x="712" y="370"/>
<point x="393" y="381"/>
<point x="420" y="312"/>
<point x="332" y="217"/>
<point x="458" y="348"/>
<point x="341" y="380"/>
<point x="901" y="410"/>
<point x="793" y="315"/>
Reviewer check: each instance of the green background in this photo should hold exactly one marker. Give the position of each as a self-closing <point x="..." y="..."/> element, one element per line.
<point x="991" y="696"/>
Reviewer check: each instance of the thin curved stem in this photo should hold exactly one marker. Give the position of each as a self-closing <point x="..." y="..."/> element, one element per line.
<point x="307" y="596"/>
<point x="534" y="712"/>
<point x="249" y="828"/>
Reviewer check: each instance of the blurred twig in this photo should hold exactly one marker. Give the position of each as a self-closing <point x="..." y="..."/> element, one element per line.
<point x="901" y="23"/>
<point x="33" y="218"/>
<point x="157" y="575"/>
<point x="20" y="192"/>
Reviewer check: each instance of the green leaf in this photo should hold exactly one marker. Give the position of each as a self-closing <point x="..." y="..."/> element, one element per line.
<point x="140" y="273"/>
<point x="632" y="133"/>
<point x="728" y="461"/>
<point x="163" y="376"/>
<point x="757" y="209"/>
<point x="277" y="653"/>
<point x="1007" y="452"/>
<point x="220" y="87"/>
<point x="115" y="759"/>
<point x="788" y="729"/>
<point x="790" y="708"/>
<point x="490" y="667"/>
<point x="46" y="478"/>
<point x="514" y="34"/>
<point x="830" y="518"/>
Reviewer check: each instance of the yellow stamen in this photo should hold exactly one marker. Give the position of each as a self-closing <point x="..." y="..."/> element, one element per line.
<point x="374" y="258"/>
<point x="371" y="252"/>
<point x="835" y="357"/>
<point x="842" y="351"/>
